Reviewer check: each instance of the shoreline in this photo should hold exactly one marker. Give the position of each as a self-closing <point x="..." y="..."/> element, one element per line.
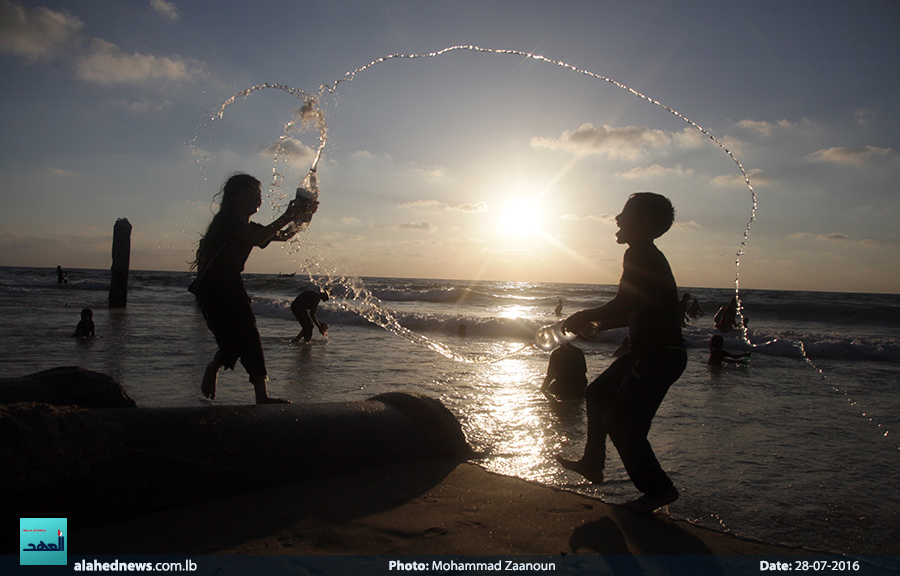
<point x="430" y="507"/>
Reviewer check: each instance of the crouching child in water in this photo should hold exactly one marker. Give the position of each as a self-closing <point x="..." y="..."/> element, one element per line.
<point x="623" y="400"/>
<point x="85" y="328"/>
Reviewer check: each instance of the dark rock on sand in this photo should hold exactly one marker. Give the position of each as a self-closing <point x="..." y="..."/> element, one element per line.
<point x="93" y="466"/>
<point x="66" y="386"/>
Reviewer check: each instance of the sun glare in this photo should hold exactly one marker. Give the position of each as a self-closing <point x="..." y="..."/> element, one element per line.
<point x="520" y="216"/>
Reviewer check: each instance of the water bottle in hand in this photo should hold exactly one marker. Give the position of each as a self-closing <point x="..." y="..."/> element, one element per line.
<point x="551" y="337"/>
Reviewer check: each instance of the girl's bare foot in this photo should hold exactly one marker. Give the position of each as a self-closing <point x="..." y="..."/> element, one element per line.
<point x="208" y="386"/>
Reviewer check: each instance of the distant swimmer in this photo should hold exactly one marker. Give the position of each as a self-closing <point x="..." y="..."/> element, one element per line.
<point x="61" y="276"/>
<point x="219" y="287"/>
<point x="304" y="309"/>
<point x="694" y="309"/>
<point x="719" y="356"/>
<point x="559" y="307"/>
<point x="726" y="317"/>
<point x="567" y="373"/>
<point x="683" y="309"/>
<point x="85" y="328"/>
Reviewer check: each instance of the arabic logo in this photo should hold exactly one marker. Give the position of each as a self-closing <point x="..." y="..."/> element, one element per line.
<point x="61" y="547"/>
<point x="37" y="544"/>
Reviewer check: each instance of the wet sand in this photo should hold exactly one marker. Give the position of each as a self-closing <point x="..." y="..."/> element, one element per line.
<point x="423" y="507"/>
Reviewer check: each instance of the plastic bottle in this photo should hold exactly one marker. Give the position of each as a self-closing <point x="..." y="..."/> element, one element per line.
<point x="308" y="191"/>
<point x="551" y="337"/>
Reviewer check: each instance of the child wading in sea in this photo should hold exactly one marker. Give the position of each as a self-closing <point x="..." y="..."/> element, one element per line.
<point x="85" y="328"/>
<point x="219" y="287"/>
<point x="718" y="355"/>
<point x="622" y="401"/>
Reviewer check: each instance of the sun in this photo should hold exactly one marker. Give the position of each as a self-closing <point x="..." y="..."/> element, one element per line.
<point x="520" y="216"/>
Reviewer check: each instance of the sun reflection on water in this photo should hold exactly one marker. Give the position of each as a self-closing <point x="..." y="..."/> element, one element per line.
<point x="524" y="435"/>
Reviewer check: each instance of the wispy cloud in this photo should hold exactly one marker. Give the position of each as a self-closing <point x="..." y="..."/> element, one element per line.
<point x="61" y="172"/>
<point x="165" y="9"/>
<point x="617" y="142"/>
<point x="851" y="156"/>
<point x="757" y="177"/>
<point x="656" y="170"/>
<point x="837" y="237"/>
<point x="106" y="63"/>
<point x="36" y="33"/>
<point x="864" y="117"/>
<point x="767" y="128"/>
<point x="141" y="106"/>
<point x="604" y="218"/>
<point x="435" y="205"/>
<point x="289" y="149"/>
<point x="689" y="225"/>
<point x="415" y="226"/>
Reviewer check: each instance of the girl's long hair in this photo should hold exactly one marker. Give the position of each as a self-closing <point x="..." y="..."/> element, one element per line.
<point x="209" y="243"/>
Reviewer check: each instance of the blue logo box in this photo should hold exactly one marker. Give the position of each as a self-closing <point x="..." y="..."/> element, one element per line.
<point x="42" y="541"/>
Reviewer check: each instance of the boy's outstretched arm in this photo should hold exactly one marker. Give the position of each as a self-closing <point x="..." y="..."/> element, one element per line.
<point x="613" y="314"/>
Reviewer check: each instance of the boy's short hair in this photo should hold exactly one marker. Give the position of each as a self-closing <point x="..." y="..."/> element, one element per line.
<point x="657" y="208"/>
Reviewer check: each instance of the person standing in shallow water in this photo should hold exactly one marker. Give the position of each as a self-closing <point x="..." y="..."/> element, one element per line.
<point x="622" y="401"/>
<point x="219" y="286"/>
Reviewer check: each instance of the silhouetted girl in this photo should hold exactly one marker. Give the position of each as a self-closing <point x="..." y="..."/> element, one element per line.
<point x="219" y="287"/>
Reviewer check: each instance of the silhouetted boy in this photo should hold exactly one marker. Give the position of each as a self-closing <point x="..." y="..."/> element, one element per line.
<point x="622" y="401"/>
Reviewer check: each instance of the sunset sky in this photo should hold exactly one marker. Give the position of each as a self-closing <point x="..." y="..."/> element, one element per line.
<point x="469" y="164"/>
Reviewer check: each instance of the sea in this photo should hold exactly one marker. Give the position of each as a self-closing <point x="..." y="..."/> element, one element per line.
<point x="798" y="446"/>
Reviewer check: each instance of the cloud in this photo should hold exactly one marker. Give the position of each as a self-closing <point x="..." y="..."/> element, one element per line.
<point x="756" y="176"/>
<point x="290" y="150"/>
<point x="851" y="156"/>
<point x="423" y="205"/>
<point x="655" y="171"/>
<point x="766" y="128"/>
<point x="604" y="218"/>
<point x="864" y="117"/>
<point x="689" y="225"/>
<point x="106" y="63"/>
<point x="836" y="237"/>
<point x="165" y="9"/>
<point x="141" y="106"/>
<point x="690" y="138"/>
<point x="36" y="33"/>
<point x="62" y="172"/>
<point x="417" y="226"/>
<point x="431" y="174"/>
<point x="435" y="205"/>
<point x="628" y="142"/>
<point x="476" y="207"/>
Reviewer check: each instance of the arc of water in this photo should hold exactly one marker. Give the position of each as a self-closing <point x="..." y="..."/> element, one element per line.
<point x="350" y="76"/>
<point x="373" y="311"/>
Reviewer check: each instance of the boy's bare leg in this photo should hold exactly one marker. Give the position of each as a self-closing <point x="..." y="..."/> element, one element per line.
<point x="262" y="394"/>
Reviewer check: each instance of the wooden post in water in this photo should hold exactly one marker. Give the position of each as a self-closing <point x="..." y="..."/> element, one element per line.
<point x="121" y="256"/>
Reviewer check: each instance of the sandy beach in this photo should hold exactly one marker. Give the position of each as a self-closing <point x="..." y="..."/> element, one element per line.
<point x="433" y="507"/>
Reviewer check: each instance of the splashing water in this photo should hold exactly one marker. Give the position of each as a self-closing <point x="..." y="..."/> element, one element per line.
<point x="366" y="305"/>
